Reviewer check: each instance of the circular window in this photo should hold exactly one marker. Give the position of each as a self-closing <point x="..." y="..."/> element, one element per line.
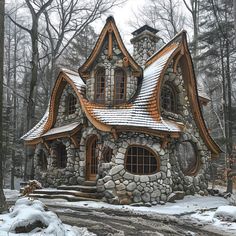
<point x="187" y="157"/>
<point x="141" y="160"/>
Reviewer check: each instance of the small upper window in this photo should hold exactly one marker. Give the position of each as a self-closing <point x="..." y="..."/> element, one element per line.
<point x="120" y="84"/>
<point x="71" y="104"/>
<point x="100" y="86"/>
<point x="168" y="102"/>
<point x="141" y="160"/>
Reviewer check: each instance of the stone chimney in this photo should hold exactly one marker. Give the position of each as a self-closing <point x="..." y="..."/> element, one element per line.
<point x="144" y="43"/>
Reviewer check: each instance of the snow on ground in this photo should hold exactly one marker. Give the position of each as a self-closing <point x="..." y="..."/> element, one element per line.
<point x="30" y="217"/>
<point x="189" y="204"/>
<point x="11" y="195"/>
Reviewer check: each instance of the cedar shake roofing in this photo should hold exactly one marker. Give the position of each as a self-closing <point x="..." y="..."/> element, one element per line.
<point x="143" y="111"/>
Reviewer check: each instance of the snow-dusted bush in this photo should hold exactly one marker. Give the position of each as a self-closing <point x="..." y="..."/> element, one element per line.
<point x="31" y="217"/>
<point x="226" y="213"/>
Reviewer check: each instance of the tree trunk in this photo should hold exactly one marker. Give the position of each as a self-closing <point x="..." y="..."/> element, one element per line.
<point x="2" y="11"/>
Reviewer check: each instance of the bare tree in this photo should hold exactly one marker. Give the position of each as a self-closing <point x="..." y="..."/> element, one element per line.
<point x="164" y="15"/>
<point x="193" y="8"/>
<point x="2" y="12"/>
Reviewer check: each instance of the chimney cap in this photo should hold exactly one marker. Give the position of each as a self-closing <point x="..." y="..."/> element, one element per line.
<point x="143" y="28"/>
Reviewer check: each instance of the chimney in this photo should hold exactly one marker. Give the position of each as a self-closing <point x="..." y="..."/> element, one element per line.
<point x="144" y="43"/>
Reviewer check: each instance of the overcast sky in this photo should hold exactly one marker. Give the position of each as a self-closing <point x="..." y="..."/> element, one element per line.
<point x="122" y="16"/>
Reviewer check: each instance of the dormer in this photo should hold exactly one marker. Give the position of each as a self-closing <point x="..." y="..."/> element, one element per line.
<point x="110" y="73"/>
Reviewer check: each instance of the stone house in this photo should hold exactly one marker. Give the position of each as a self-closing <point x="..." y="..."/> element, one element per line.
<point x="131" y="127"/>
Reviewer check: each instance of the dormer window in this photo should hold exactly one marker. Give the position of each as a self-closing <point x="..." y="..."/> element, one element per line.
<point x="71" y="104"/>
<point x="100" y="90"/>
<point x="120" y="85"/>
<point x="168" y="98"/>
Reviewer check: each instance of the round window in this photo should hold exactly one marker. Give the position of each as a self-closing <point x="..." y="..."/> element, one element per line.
<point x="187" y="158"/>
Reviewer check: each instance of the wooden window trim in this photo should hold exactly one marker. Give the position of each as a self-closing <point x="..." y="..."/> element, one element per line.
<point x="194" y="170"/>
<point x="174" y="93"/>
<point x="154" y="155"/>
<point x="96" y="84"/>
<point x="119" y="101"/>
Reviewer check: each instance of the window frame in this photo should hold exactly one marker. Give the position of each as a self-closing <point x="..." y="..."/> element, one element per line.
<point x="71" y="104"/>
<point x="118" y="101"/>
<point x="59" y="155"/>
<point x="98" y="82"/>
<point x="194" y="170"/>
<point x="154" y="155"/>
<point x="172" y="90"/>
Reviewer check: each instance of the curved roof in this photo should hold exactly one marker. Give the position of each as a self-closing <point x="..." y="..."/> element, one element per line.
<point x="143" y="112"/>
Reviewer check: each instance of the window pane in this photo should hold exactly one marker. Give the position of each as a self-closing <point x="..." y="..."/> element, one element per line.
<point x="168" y="98"/>
<point x="100" y="86"/>
<point x="71" y="104"/>
<point x="139" y="160"/>
<point x="119" y="86"/>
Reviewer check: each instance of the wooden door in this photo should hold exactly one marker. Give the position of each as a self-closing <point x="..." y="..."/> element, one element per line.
<point x="92" y="159"/>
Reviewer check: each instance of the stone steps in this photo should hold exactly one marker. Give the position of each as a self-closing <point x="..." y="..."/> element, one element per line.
<point x="80" y="188"/>
<point x="68" y="197"/>
<point x="66" y="192"/>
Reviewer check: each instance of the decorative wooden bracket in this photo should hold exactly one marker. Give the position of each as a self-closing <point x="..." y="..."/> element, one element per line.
<point x="114" y="133"/>
<point x="74" y="141"/>
<point x="45" y="143"/>
<point x="110" y="43"/>
<point x="164" y="142"/>
<point x="125" y="62"/>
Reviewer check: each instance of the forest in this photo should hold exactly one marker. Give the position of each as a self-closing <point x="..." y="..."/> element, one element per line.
<point x="41" y="36"/>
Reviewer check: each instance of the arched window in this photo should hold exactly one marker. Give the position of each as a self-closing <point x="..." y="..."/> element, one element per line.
<point x="71" y="104"/>
<point x="187" y="157"/>
<point x="168" y="101"/>
<point x="120" y="85"/>
<point x="61" y="155"/>
<point x="141" y="160"/>
<point x="107" y="155"/>
<point x="92" y="158"/>
<point x="100" y="90"/>
<point x="43" y="163"/>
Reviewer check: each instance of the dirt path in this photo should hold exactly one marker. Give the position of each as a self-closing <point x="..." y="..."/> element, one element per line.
<point x="108" y="222"/>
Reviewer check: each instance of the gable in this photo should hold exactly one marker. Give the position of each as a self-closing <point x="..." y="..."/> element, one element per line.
<point x="109" y="36"/>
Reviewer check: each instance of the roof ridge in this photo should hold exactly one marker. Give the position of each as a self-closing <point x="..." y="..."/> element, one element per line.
<point x="167" y="44"/>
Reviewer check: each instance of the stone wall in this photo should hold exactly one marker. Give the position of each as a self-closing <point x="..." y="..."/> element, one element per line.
<point x="63" y="118"/>
<point x="110" y="65"/>
<point x="199" y="181"/>
<point x="121" y="187"/>
<point x="55" y="176"/>
<point x="144" y="47"/>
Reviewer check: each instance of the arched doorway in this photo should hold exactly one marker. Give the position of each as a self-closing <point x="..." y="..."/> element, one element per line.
<point x="92" y="158"/>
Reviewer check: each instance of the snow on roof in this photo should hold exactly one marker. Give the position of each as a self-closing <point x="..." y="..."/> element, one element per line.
<point x="38" y="129"/>
<point x="62" y="129"/>
<point x="138" y="115"/>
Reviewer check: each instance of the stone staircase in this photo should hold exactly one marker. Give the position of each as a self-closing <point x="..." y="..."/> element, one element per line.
<point x="73" y="193"/>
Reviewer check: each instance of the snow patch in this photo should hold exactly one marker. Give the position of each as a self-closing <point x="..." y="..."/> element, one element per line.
<point x="226" y="213"/>
<point x="31" y="217"/>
